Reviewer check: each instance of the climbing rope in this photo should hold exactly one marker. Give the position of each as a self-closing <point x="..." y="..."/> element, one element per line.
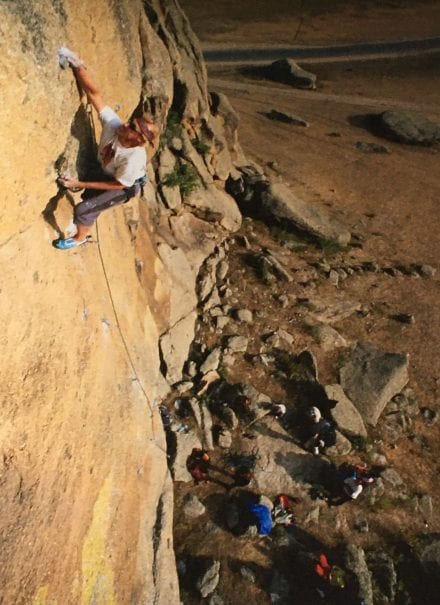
<point x="124" y="341"/>
<point x="115" y="313"/>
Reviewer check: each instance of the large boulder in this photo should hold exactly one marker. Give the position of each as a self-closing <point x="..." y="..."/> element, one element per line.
<point x="345" y="412"/>
<point x="281" y="204"/>
<point x="383" y="570"/>
<point x="356" y="563"/>
<point x="371" y="377"/>
<point x="282" y="467"/>
<point x="289" y="72"/>
<point x="216" y="205"/>
<point x="331" y="309"/>
<point x="429" y="554"/>
<point x="410" y="128"/>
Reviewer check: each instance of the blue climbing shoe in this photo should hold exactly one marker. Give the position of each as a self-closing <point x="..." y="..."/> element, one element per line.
<point x="67" y="244"/>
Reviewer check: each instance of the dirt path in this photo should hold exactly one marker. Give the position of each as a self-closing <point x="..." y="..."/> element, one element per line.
<point x="367" y="51"/>
<point x="246" y="88"/>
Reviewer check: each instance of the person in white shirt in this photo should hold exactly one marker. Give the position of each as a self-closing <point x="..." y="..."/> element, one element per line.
<point x="121" y="153"/>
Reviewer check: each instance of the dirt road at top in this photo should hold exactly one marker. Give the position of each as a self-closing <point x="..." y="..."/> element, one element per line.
<point x="346" y="52"/>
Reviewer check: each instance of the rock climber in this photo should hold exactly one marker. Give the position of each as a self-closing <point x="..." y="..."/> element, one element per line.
<point x="121" y="154"/>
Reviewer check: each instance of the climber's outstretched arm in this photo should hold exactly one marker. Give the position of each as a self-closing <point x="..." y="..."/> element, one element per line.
<point x="68" y="58"/>
<point x="87" y="83"/>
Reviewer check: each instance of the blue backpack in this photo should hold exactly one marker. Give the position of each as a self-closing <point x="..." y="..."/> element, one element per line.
<point x="264" y="520"/>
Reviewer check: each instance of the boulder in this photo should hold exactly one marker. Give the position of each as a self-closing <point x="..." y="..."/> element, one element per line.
<point x="308" y="362"/>
<point x="236" y="344"/>
<point x="244" y="315"/>
<point x="216" y="205"/>
<point x="282" y="467"/>
<point x="371" y="377"/>
<point x="356" y="563"/>
<point x="204" y="422"/>
<point x="392" y="477"/>
<point x="216" y="599"/>
<point x="229" y="417"/>
<point x="269" y="267"/>
<point x="330" y="310"/>
<point x="328" y="337"/>
<point x="174" y="346"/>
<point x="289" y="72"/>
<point x="192" y="507"/>
<point x="429" y="554"/>
<point x="283" y="205"/>
<point x="184" y="444"/>
<point x="207" y="582"/>
<point x="383" y="571"/>
<point x="222" y="110"/>
<point x="212" y="361"/>
<point x="248" y="573"/>
<point x="287" y="118"/>
<point x="345" y="412"/>
<point x="409" y="128"/>
<point x="279" y="587"/>
<point x="224" y="439"/>
<point x="371" y="147"/>
<point x="342" y="447"/>
<point x="222" y="270"/>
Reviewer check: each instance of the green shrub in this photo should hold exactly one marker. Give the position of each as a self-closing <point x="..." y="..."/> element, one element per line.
<point x="288" y="239"/>
<point x="183" y="176"/>
<point x="201" y="147"/>
<point x="172" y="129"/>
<point x="329" y="246"/>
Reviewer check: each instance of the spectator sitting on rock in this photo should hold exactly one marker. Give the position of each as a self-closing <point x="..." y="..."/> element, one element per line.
<point x="242" y="477"/>
<point x="315" y="432"/>
<point x="197" y="464"/>
<point x="356" y="477"/>
<point x="331" y="579"/>
<point x="278" y="410"/>
<point x="351" y="481"/>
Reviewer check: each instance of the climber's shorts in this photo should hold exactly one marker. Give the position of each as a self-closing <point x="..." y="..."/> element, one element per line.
<point x="87" y="211"/>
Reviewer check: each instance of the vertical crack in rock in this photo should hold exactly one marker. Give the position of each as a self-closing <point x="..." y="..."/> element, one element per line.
<point x="123" y="24"/>
<point x="157" y="538"/>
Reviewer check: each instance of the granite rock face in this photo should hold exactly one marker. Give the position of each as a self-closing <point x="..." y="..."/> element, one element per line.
<point x="86" y="492"/>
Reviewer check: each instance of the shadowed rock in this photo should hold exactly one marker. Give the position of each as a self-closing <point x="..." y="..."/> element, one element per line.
<point x="289" y="72"/>
<point x="356" y="563"/>
<point x="345" y="413"/>
<point x="372" y="377"/>
<point x="287" y="118"/>
<point x="208" y="580"/>
<point x="409" y="128"/>
<point x="281" y="203"/>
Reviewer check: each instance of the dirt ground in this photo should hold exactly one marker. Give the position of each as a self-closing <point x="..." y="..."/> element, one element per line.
<point x="389" y="202"/>
<point x="310" y="22"/>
